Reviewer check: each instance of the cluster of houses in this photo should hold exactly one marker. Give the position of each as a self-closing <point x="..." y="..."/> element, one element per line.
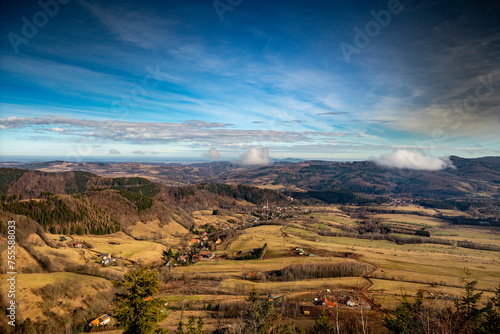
<point x="275" y="212"/>
<point x="204" y="241"/>
<point x="199" y="250"/>
<point x="75" y="244"/>
<point x="253" y="220"/>
<point x="300" y="251"/>
<point x="107" y="260"/>
<point x="401" y="201"/>
<point x="343" y="299"/>
<point x="202" y="255"/>
<point x="100" y="321"/>
<point x="322" y="301"/>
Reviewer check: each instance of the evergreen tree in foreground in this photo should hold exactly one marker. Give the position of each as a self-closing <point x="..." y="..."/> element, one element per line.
<point x="192" y="327"/>
<point x="467" y="317"/>
<point x="261" y="318"/>
<point x="323" y="324"/>
<point x="137" y="310"/>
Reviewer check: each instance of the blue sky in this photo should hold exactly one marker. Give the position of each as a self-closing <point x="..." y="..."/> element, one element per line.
<point x="330" y="80"/>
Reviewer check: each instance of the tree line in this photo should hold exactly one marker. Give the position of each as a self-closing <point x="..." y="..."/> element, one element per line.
<point x="64" y="215"/>
<point x="302" y="271"/>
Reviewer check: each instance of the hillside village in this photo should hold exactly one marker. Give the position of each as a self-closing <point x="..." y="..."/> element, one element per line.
<point x="212" y="245"/>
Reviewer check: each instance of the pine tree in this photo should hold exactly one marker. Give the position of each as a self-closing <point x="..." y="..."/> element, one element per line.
<point x="402" y="322"/>
<point x="138" y="315"/>
<point x="180" y="327"/>
<point x="199" y="326"/>
<point x="27" y="327"/>
<point x="467" y="307"/>
<point x="491" y="320"/>
<point x="262" y="318"/>
<point x="190" y="326"/>
<point x="323" y="324"/>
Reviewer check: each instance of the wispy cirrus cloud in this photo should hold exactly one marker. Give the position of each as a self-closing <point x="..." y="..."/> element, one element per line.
<point x="192" y="131"/>
<point x="332" y="113"/>
<point x="270" y="81"/>
<point x="137" y="27"/>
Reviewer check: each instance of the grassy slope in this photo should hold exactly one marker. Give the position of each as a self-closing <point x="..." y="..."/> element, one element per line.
<point x="31" y="304"/>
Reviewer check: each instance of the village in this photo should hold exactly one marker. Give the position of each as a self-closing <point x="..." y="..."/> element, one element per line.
<point x="202" y="246"/>
<point x="251" y="241"/>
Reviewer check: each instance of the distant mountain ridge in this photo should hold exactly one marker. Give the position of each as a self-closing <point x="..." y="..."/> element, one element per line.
<point x="471" y="178"/>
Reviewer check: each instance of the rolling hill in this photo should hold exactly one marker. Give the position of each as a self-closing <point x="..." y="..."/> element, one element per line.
<point x="471" y="178"/>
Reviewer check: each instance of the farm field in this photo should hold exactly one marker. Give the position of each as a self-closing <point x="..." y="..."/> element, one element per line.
<point x="393" y="269"/>
<point x="478" y="234"/>
<point x="153" y="230"/>
<point x="422" y="263"/>
<point x="41" y="294"/>
<point x="421" y="221"/>
<point x="122" y="245"/>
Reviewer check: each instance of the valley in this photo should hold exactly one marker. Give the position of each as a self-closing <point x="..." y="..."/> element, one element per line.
<point x="212" y="244"/>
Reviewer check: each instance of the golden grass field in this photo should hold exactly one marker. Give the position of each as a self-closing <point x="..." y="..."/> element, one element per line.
<point x="117" y="244"/>
<point x="151" y="230"/>
<point x="411" y="265"/>
<point x="397" y="268"/>
<point x="244" y="286"/>
<point x="487" y="235"/>
<point x="121" y="245"/>
<point x="30" y="304"/>
<point x="231" y="268"/>
<point x="203" y="217"/>
<point x="421" y="221"/>
<point x="410" y="208"/>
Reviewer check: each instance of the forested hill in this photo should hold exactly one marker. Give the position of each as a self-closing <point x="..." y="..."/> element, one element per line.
<point x="470" y="178"/>
<point x="82" y="203"/>
<point x="32" y="183"/>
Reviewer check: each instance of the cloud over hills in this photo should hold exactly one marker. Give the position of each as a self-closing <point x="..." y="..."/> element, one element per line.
<point x="213" y="154"/>
<point x="406" y="159"/>
<point x="256" y="156"/>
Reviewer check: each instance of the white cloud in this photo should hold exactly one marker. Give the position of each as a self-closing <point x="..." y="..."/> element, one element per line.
<point x="213" y="154"/>
<point x="114" y="151"/>
<point x="192" y="131"/>
<point x="406" y="159"/>
<point x="256" y="156"/>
